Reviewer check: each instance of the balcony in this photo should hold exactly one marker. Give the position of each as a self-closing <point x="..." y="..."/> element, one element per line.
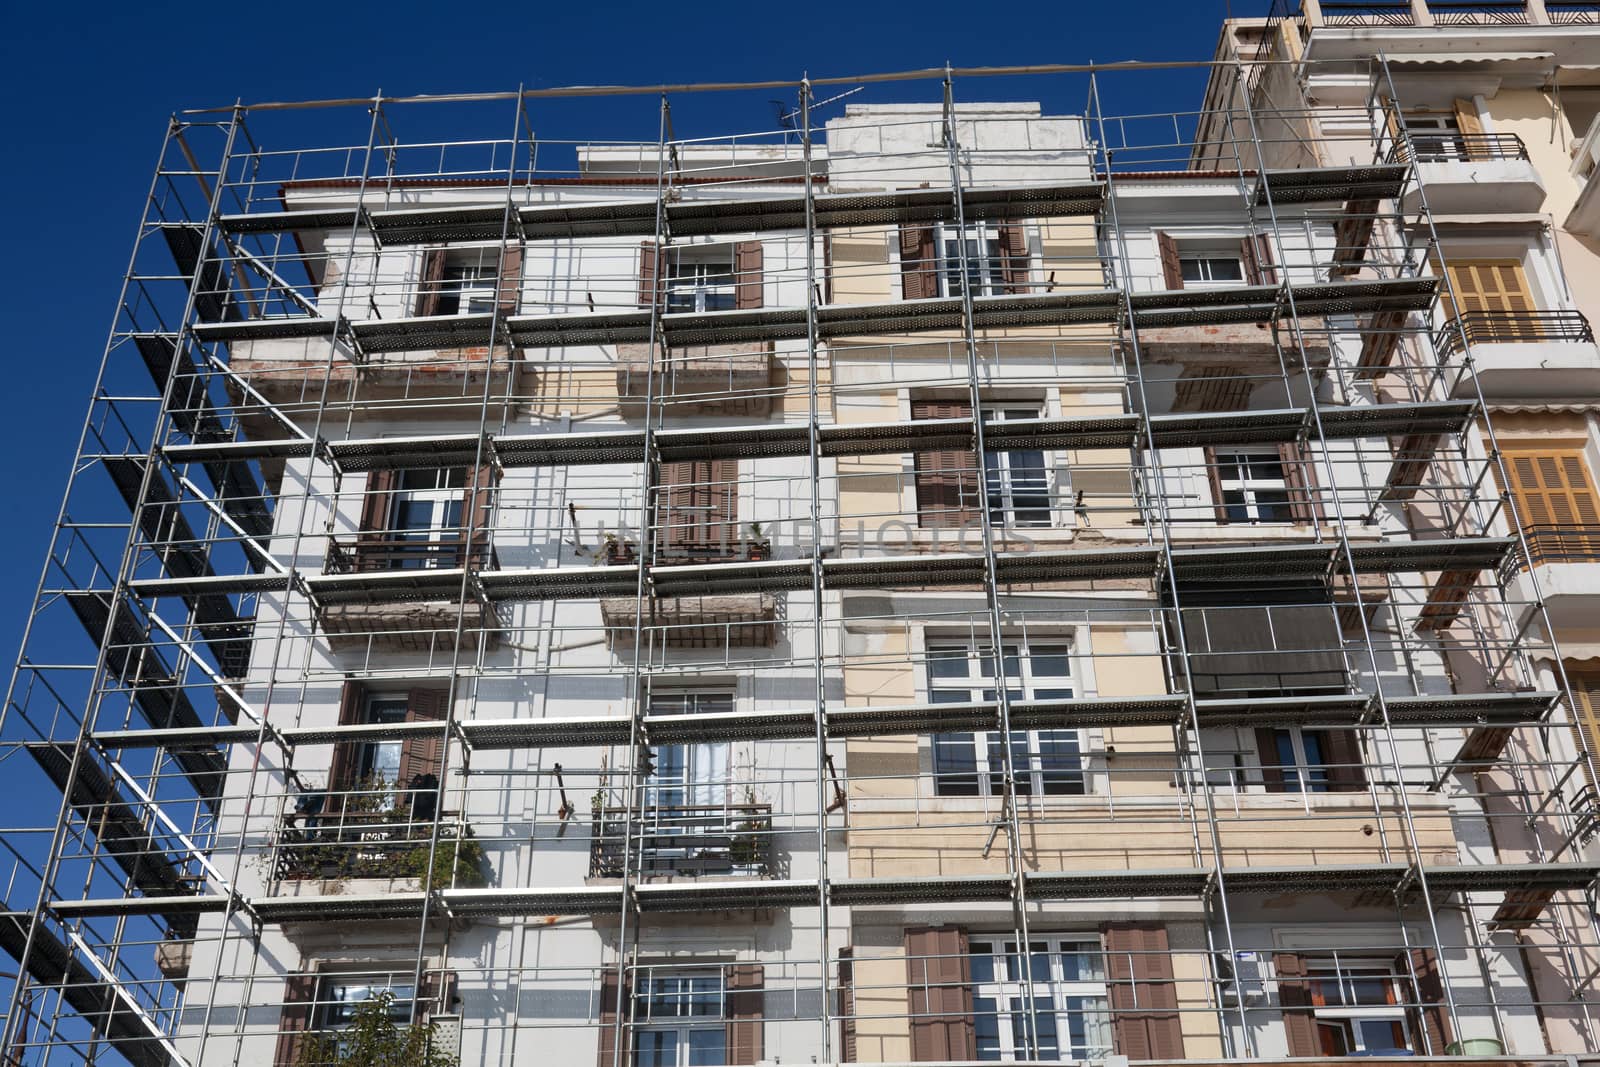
<point x="683" y="841"/>
<point x="1469" y="173"/>
<point x="1340" y="13"/>
<point x="1566" y="560"/>
<point x="1478" y="12"/>
<point x="723" y="379"/>
<point x="1522" y="354"/>
<point x="406" y="625"/>
<point x="336" y="838"/>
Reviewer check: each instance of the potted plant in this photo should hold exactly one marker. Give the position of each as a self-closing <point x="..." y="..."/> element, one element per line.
<point x="759" y="547"/>
<point x="619" y="552"/>
<point x="746" y="848"/>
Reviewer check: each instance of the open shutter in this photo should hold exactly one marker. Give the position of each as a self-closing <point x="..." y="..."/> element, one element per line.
<point x="1014" y="258"/>
<point x="1346" y="770"/>
<point x="1144" y="998"/>
<point x="946" y="482"/>
<point x="1255" y="255"/>
<point x="342" y="774"/>
<point x="1585" y="685"/>
<point x="1431" y="1017"/>
<point x="438" y="994"/>
<point x="848" y="1050"/>
<point x="1304" y="505"/>
<point x="299" y="1011"/>
<point x="376" y="505"/>
<point x="1171" y="269"/>
<point x="423" y="755"/>
<point x="431" y="283"/>
<point x="1468" y="123"/>
<point x="1214" y="479"/>
<point x="1271" y="762"/>
<point x="919" y="263"/>
<point x="615" y="995"/>
<point x="477" y="513"/>
<point x="748" y="280"/>
<point x="652" y="279"/>
<point x="744" y="1029"/>
<point x="1294" y="1000"/>
<point x="509" y="295"/>
<point x="939" y="994"/>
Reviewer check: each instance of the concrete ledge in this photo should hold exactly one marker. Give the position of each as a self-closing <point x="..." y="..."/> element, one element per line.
<point x="743" y="620"/>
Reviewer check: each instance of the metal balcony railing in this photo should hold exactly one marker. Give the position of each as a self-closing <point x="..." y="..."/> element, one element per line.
<point x="1478" y="12"/>
<point x="1563" y="543"/>
<point x="1451" y="146"/>
<point x="1339" y="13"/>
<point x="1572" y="12"/>
<point x="683" y="839"/>
<point x="375" y="834"/>
<point x="1511" y="327"/>
<point x="398" y="550"/>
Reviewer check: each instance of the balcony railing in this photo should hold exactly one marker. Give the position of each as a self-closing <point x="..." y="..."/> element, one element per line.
<point x="1572" y="12"/>
<point x="1338" y="13"/>
<point x="1563" y="543"/>
<point x="686" y="839"/>
<point x="1450" y="146"/>
<point x="1511" y="327"/>
<point x="393" y="550"/>
<point x="328" y="838"/>
<point x="1478" y="12"/>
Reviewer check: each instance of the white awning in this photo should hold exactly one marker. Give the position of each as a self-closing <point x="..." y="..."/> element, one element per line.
<point x="1399" y="60"/>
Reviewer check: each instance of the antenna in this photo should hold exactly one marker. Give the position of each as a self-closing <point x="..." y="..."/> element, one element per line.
<point x="788" y="115"/>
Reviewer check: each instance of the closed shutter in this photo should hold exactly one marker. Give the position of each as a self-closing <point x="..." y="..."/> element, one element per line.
<point x="698" y="506"/>
<point x="1586" y="707"/>
<point x="1551" y="486"/>
<point x="1171" y="268"/>
<point x="939" y="994"/>
<point x="1431" y="1016"/>
<point x="1468" y="123"/>
<point x="847" y="1006"/>
<point x="946" y="482"/>
<point x="652" y="279"/>
<point x="1271" y="763"/>
<point x="477" y="513"/>
<point x="431" y="283"/>
<point x="1144" y="997"/>
<point x="615" y="995"/>
<point x="1014" y="253"/>
<point x="1294" y="1000"/>
<point x="1214" y="479"/>
<point x="509" y="295"/>
<point x="1304" y="504"/>
<point x="1255" y="255"/>
<point x="345" y="769"/>
<point x="748" y="280"/>
<point x="919" y="263"/>
<point x="423" y="754"/>
<point x="1487" y="285"/>
<point x="744" y="1029"/>
<point x="299" y="1012"/>
<point x="1346" y="762"/>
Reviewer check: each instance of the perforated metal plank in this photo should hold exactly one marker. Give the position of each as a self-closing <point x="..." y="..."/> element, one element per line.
<point x="1323" y="878"/>
<point x="1466" y="553"/>
<point x="556" y="331"/>
<point x="104" y="907"/>
<point x="1252" y="561"/>
<point x="454" y="222"/>
<point x="432" y="332"/>
<point x="1469" y="878"/>
<point x="385" y="587"/>
<point x="734" y="442"/>
<point x="1047" y="309"/>
<point x="219" y="584"/>
<point x="730" y="726"/>
<point x="1227" y="427"/>
<point x="1078" y="565"/>
<point x="237" y="451"/>
<point x="276" y="329"/>
<point x="858" y="892"/>
<point x="712" y="896"/>
<point x="1318" y="184"/>
<point x="360" y="732"/>
<point x="559" y="583"/>
<point x="628" y="218"/>
<point x="176" y="739"/>
<point x="877" y="572"/>
<point x="912" y="719"/>
<point x="289" y="221"/>
<point x="1334" y="710"/>
<point x="1383" y="420"/>
<point x="1471" y="709"/>
<point x="404" y="453"/>
<point x="1097" y="711"/>
<point x="734" y="327"/>
<point x="1108" y="431"/>
<point x="1102" y="885"/>
<point x="558" y="449"/>
<point x="892" y="438"/>
<point x="1347" y="298"/>
<point x="493" y="903"/>
<point x="552" y="732"/>
<point x="339" y="908"/>
<point x="767" y="576"/>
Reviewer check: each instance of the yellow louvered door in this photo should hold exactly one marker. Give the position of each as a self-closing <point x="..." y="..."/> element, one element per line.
<point x="1487" y="285"/>
<point x="1556" y="502"/>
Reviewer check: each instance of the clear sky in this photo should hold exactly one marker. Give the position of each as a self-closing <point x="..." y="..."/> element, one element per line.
<point x="89" y="87"/>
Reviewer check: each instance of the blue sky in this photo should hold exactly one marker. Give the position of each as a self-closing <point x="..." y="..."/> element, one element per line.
<point x="89" y="88"/>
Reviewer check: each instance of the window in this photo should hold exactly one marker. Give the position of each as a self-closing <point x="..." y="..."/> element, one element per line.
<point x="1203" y="269"/>
<point x="469" y="282"/>
<point x="339" y="995"/>
<point x="1358" y="1006"/>
<point x="985" y="260"/>
<point x="679" y="1020"/>
<point x="1066" y="977"/>
<point x="1015" y="485"/>
<point x="426" y="514"/>
<point x="702" y="283"/>
<point x="1047" y="762"/>
<point x="1300" y="758"/>
<point x="380" y="761"/>
<point x="1435" y="136"/>
<point x="1252" y="487"/>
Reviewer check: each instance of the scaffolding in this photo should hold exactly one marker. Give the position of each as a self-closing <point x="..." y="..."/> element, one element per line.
<point x="440" y="475"/>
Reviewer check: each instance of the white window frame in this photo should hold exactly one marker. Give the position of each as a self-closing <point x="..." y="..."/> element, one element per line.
<point x="708" y="273"/>
<point x="1304" y="770"/>
<point x="471" y="277"/>
<point x="1440" y="132"/>
<point x="1023" y="685"/>
<point x="1238" y="476"/>
<point x="990" y="267"/>
<point x="681" y="1025"/>
<point x="1007" y="514"/>
<point x="366" y="755"/>
<point x="439" y="530"/>
<point x="374" y="982"/>
<point x="1006" y="987"/>
<point x="1332" y="967"/>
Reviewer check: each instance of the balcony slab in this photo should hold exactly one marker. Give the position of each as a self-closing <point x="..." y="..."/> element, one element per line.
<point x="1467" y="187"/>
<point x="1531" y="370"/>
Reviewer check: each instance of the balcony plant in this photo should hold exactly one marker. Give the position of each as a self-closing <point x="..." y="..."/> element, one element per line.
<point x="747" y="848"/>
<point x="617" y="552"/>
<point x="759" y="546"/>
<point x="374" y="1039"/>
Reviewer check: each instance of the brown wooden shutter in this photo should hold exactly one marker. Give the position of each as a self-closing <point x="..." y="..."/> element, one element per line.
<point x="946" y="482"/>
<point x="437" y="994"/>
<point x="1432" y="1018"/>
<point x="615" y="995"/>
<point x="1346" y="770"/>
<point x="1294" y="1000"/>
<point x="748" y="281"/>
<point x="299" y="1012"/>
<point x="377" y="503"/>
<point x="1171" y="268"/>
<point x="510" y="292"/>
<point x="652" y="278"/>
<point x="1468" y="123"/>
<point x="343" y="772"/>
<point x="424" y="754"/>
<point x="919" y="263"/>
<point x="848" y="1050"/>
<point x="1551" y="486"/>
<point x="431" y="282"/>
<point x="1271" y="765"/>
<point x="1255" y="255"/>
<point x="1487" y="285"/>
<point x="698" y="506"/>
<point x="1305" y="506"/>
<point x="744" y="1028"/>
<point x="1144" y="998"/>
<point x="939" y="994"/>
<point x="1214" y="478"/>
<point x="1014" y="253"/>
<point x="1585" y="684"/>
<point x="477" y="513"/>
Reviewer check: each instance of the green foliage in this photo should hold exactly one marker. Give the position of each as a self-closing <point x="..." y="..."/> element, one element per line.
<point x="373" y="1039"/>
